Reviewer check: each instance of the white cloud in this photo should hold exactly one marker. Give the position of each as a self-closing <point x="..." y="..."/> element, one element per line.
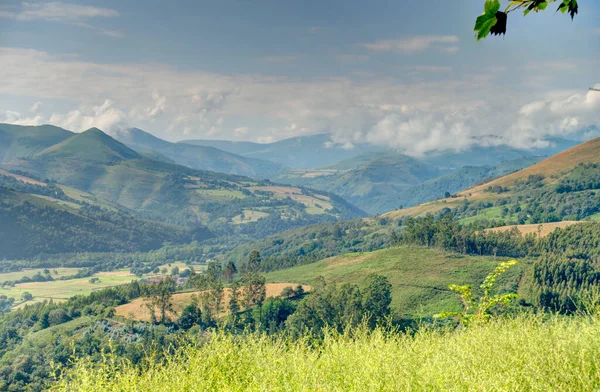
<point x="419" y="43"/>
<point x="58" y="11"/>
<point x="35" y="107"/>
<point x="241" y="131"/>
<point x="414" y="117"/>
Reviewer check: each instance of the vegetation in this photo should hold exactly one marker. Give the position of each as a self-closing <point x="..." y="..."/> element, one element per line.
<point x="503" y="355"/>
<point x="493" y="21"/>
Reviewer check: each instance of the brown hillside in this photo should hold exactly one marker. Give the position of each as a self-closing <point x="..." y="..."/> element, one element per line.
<point x="588" y="152"/>
<point x="551" y="168"/>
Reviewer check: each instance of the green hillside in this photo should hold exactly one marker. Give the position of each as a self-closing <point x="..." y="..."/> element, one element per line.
<point x="36" y="219"/>
<point x="460" y="179"/>
<point x="419" y="276"/>
<point x="92" y="145"/>
<point x="25" y="141"/>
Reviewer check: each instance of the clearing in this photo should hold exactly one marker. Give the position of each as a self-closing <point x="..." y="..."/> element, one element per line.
<point x="136" y="309"/>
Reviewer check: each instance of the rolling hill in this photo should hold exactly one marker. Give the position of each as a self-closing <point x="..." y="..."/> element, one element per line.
<point x="419" y="276"/>
<point x="40" y="218"/>
<point x="97" y="164"/>
<point x="198" y="156"/>
<point x="562" y="187"/>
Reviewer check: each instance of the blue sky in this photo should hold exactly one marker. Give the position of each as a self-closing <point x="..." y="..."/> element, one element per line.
<point x="403" y="73"/>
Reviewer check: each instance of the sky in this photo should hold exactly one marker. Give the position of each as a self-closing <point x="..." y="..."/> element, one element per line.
<point x="404" y="74"/>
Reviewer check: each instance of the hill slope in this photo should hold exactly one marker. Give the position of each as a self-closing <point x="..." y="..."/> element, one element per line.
<point x="562" y="187"/>
<point x="23" y="141"/>
<point x="197" y="156"/>
<point x="419" y="276"/>
<point x="40" y="218"/>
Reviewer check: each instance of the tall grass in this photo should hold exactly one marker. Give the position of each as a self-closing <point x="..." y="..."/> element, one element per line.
<point x="521" y="354"/>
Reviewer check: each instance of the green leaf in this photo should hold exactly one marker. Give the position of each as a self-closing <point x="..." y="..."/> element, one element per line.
<point x="487" y="20"/>
<point x="491" y="7"/>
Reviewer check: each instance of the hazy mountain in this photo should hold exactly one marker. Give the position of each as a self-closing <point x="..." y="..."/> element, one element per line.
<point x="198" y="157"/>
<point x="297" y="152"/>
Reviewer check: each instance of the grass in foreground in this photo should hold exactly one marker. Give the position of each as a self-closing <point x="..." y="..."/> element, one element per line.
<point x="524" y="354"/>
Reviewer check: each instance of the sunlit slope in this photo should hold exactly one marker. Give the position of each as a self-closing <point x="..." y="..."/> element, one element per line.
<point x="572" y="166"/>
<point x="419" y="276"/>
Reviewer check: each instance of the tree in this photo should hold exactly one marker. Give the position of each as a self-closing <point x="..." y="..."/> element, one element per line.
<point x="377" y="298"/>
<point x="190" y="315"/>
<point x="254" y="261"/>
<point x="159" y="296"/>
<point x="234" y="304"/>
<point x="26" y="296"/>
<point x="493" y="21"/>
<point x="229" y="271"/>
<point x="255" y="290"/>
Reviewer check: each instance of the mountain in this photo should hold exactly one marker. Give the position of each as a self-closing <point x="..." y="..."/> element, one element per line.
<point x="198" y="157"/>
<point x="92" y="145"/>
<point x="561" y="188"/>
<point x="380" y="181"/>
<point x="95" y="163"/>
<point x="460" y="179"/>
<point x="482" y="156"/>
<point x="24" y="141"/>
<point x="297" y="152"/>
<point x="371" y="181"/>
<point x="37" y="217"/>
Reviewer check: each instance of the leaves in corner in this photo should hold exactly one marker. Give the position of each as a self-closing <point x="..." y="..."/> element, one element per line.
<point x="486" y="21"/>
<point x="569" y="5"/>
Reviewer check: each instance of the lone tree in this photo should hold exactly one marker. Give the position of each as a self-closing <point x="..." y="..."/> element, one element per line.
<point x="493" y="21"/>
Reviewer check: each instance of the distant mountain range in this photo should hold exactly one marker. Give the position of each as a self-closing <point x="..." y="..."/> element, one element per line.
<point x="297" y="152"/>
<point x="198" y="156"/>
<point x="378" y="182"/>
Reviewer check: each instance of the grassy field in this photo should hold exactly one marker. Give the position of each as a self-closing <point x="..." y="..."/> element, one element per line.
<point x="58" y="290"/>
<point x="64" y="289"/>
<point x="522" y="354"/>
<point x="224" y="193"/>
<point x="419" y="276"/>
<point x="314" y="205"/>
<point x="54" y="272"/>
<point x="136" y="310"/>
<point x="542" y="229"/>
<point x="249" y="216"/>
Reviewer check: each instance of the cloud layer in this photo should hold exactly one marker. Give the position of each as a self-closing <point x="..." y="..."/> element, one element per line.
<point x="58" y="11"/>
<point x="412" y="116"/>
